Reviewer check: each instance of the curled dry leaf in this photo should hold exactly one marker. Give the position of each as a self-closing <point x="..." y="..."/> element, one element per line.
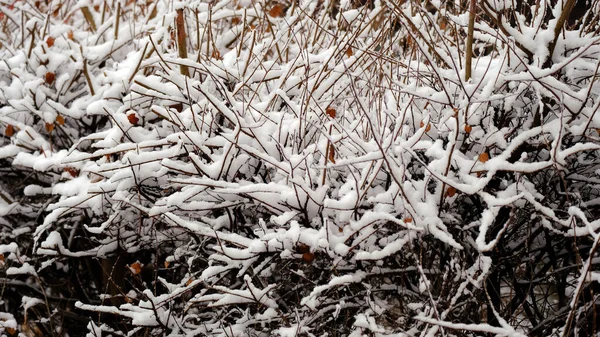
<point x="349" y="52"/>
<point x="308" y="257"/>
<point x="49" y="77"/>
<point x="70" y="35"/>
<point x="215" y="54"/>
<point x="450" y="191"/>
<point x="133" y="119"/>
<point x="9" y="131"/>
<point x="60" y="120"/>
<point x="235" y="20"/>
<point x="276" y="11"/>
<point x="50" y="41"/>
<point x="408" y="220"/>
<point x="302" y="248"/>
<point x="330" y="112"/>
<point x="468" y="128"/>
<point x="49" y="127"/>
<point x="135" y="268"/>
<point x="331" y="153"/>
<point x="426" y="128"/>
<point x="484" y="157"/>
<point x="166" y="264"/>
<point x="72" y="171"/>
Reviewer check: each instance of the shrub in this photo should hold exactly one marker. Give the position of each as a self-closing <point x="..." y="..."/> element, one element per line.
<point x="243" y="168"/>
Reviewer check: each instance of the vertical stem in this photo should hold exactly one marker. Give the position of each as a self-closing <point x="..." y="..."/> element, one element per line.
<point x="469" y="56"/>
<point x="89" y="18"/>
<point x="117" y="21"/>
<point x="181" y="43"/>
<point x="327" y="156"/>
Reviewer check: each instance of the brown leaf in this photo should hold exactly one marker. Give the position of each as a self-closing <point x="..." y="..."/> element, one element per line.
<point x="484" y="157"/>
<point x="349" y="52"/>
<point x="133" y="119"/>
<point x="331" y="153"/>
<point x="302" y="248"/>
<point x="276" y="11"/>
<point x="50" y="41"/>
<point x="408" y="220"/>
<point x="49" y="78"/>
<point x="60" y="120"/>
<point x="428" y="126"/>
<point x="450" y="192"/>
<point x="9" y="131"/>
<point x="468" y="128"/>
<point x="235" y="20"/>
<point x="166" y="264"/>
<point x="443" y="22"/>
<point x="189" y="281"/>
<point x="72" y="171"/>
<point x="49" y="127"/>
<point x="330" y="112"/>
<point x="308" y="257"/>
<point x="1" y="259"/>
<point x="70" y="35"/>
<point x="135" y="268"/>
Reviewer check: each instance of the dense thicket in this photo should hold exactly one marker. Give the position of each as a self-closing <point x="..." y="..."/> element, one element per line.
<point x="311" y="168"/>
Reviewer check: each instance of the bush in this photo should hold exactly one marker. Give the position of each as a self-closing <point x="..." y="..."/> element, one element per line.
<point x="340" y="168"/>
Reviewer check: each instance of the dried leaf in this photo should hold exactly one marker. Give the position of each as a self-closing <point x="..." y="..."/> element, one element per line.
<point x="349" y="52"/>
<point x="49" y="127"/>
<point x="50" y="41"/>
<point x="133" y="119"/>
<point x="1" y="259"/>
<point x="70" y="35"/>
<point x="215" y="54"/>
<point x="235" y="20"/>
<point x="72" y="171"/>
<point x="49" y="78"/>
<point x="135" y="268"/>
<point x="426" y="128"/>
<point x="484" y="157"/>
<point x="450" y="192"/>
<point x="189" y="281"/>
<point x="330" y="112"/>
<point x="302" y="248"/>
<point x="408" y="220"/>
<point x="9" y="131"/>
<point x="276" y="11"/>
<point x="443" y="22"/>
<point x="60" y="120"/>
<point x="11" y="331"/>
<point x="308" y="257"/>
<point x="468" y="128"/>
<point x="166" y="264"/>
<point x="331" y="153"/>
